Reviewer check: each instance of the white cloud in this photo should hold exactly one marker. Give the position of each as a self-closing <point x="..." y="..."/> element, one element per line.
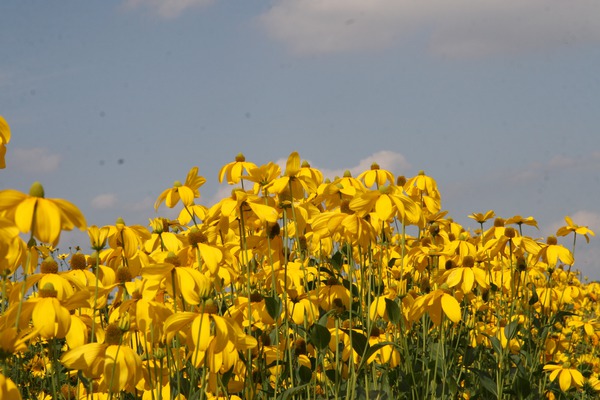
<point x="166" y="8"/>
<point x="459" y="28"/>
<point x="33" y="160"/>
<point x="396" y="163"/>
<point x="537" y="169"/>
<point x="104" y="201"/>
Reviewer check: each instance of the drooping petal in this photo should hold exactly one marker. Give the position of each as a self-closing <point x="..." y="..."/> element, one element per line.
<point x="71" y="216"/>
<point x="451" y="307"/>
<point x="564" y="380"/>
<point x="212" y="256"/>
<point x="200" y="331"/>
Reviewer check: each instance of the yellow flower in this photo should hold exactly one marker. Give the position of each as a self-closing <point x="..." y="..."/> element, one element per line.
<point x="98" y="236"/>
<point x="437" y="303"/>
<point x="118" y="364"/>
<point x="517" y="219"/>
<point x="553" y="252"/>
<point x="186" y="192"/>
<point x="129" y="238"/>
<point x="375" y="175"/>
<point x="263" y="175"/>
<point x="8" y="389"/>
<point x="44" y="217"/>
<point x="4" y="139"/>
<point x="576" y="229"/>
<point x="293" y="180"/>
<point x="481" y="218"/>
<point x="209" y="333"/>
<point x="567" y="377"/>
<point x="233" y="171"/>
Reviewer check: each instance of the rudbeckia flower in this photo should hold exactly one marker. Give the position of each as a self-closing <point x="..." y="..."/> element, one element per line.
<point x="437" y="303"/>
<point x="234" y="170"/>
<point x="45" y="218"/>
<point x="118" y="364"/>
<point x="51" y="317"/>
<point x="292" y="180"/>
<point x="207" y="333"/>
<point x="567" y="377"/>
<point x="376" y="175"/>
<point x="4" y="139"/>
<point x="576" y="229"/>
<point x="186" y="192"/>
<point x="482" y="218"/>
<point x="552" y="252"/>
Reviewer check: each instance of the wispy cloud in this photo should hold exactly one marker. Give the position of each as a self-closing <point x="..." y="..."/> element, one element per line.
<point x="460" y="28"/>
<point x="166" y="8"/>
<point x="104" y="201"/>
<point x="34" y="160"/>
<point x="396" y="163"/>
<point x="538" y="169"/>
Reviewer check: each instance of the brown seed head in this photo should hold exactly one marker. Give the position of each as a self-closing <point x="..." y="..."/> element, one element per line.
<point x="468" y="262"/>
<point x="240" y="158"/>
<point x="123" y="275"/>
<point x="273" y="230"/>
<point x="510" y="232"/>
<point x="551" y="240"/>
<point x="499" y="222"/>
<point x="49" y="266"/>
<point x="195" y="237"/>
<point x="78" y="261"/>
<point x="300" y="347"/>
<point x="345" y="207"/>
<point x="113" y="334"/>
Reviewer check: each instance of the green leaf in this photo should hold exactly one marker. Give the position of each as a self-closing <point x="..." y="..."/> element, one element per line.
<point x="305" y="374"/>
<point x="392" y="310"/>
<point x="534" y="296"/>
<point x="510" y="330"/>
<point x="337" y="260"/>
<point x="320" y="336"/>
<point x="292" y="391"/>
<point x="274" y="307"/>
<point x="487" y="383"/>
<point x="470" y="356"/>
<point x="360" y="343"/>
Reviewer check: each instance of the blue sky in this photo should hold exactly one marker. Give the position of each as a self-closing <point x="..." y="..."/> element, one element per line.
<point x="110" y="102"/>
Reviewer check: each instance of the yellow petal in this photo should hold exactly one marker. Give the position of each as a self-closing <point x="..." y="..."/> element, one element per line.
<point x="71" y="215"/>
<point x="264" y="212"/>
<point x="83" y="357"/>
<point x="186" y="194"/>
<point x="383" y="207"/>
<point x="293" y="164"/>
<point x="212" y="256"/>
<point x="47" y="221"/>
<point x="200" y="331"/>
<point x="177" y="322"/>
<point x="564" y="380"/>
<point x="451" y="307"/>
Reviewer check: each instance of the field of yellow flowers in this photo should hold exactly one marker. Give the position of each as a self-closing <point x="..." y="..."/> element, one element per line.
<point x="292" y="287"/>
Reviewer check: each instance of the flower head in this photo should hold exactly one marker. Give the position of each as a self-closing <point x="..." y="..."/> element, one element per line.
<point x="186" y="192"/>
<point x="44" y="218"/>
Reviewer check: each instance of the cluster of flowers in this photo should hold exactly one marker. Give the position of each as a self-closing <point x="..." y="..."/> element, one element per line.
<point x="297" y="287"/>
